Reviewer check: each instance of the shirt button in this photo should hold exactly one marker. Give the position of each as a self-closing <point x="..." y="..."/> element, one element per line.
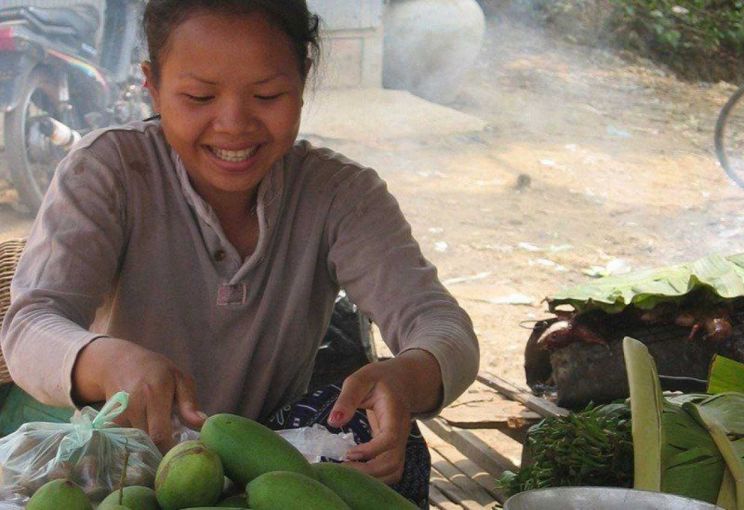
<point x="220" y="255"/>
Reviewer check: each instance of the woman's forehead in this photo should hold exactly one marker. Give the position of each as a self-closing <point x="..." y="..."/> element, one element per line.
<point x="204" y="29"/>
<point x="206" y="45"/>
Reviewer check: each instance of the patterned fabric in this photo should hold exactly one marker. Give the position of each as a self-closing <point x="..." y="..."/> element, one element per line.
<point x="316" y="406"/>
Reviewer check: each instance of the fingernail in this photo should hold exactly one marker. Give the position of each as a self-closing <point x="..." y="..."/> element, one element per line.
<point x="336" y="417"/>
<point x="202" y="415"/>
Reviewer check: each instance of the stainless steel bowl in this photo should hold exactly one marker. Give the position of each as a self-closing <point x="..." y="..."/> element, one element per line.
<point x="601" y="498"/>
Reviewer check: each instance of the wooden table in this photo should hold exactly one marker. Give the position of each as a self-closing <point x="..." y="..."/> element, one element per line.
<point x="479" y="437"/>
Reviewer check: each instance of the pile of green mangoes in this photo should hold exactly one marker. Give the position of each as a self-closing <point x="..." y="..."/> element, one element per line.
<point x="272" y="472"/>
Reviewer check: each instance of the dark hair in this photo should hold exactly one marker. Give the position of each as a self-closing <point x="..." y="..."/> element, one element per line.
<point x="291" y="16"/>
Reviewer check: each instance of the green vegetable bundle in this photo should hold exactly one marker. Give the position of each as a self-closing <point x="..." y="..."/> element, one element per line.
<point x="591" y="447"/>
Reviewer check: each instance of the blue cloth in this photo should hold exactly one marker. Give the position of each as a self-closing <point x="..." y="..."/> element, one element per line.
<point x="315" y="407"/>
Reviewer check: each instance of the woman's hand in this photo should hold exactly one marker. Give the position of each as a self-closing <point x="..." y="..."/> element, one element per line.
<point x="154" y="383"/>
<point x="390" y="391"/>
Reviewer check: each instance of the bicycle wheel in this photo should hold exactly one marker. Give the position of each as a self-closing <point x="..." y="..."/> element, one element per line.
<point x="729" y="137"/>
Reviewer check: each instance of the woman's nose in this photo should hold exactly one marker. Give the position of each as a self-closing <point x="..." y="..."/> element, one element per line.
<point x="236" y="116"/>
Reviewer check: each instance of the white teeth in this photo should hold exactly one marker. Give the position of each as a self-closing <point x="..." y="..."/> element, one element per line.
<point x="234" y="156"/>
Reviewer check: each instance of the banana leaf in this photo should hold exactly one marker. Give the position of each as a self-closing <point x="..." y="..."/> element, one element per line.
<point x="723" y="417"/>
<point x="725" y="375"/>
<point x="721" y="277"/>
<point x="714" y="417"/>
<point x="673" y="452"/>
<point x="726" y="408"/>
<point x="646" y="404"/>
<point x="727" y="494"/>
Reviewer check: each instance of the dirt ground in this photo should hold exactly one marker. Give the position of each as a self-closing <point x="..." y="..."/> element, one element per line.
<point x="590" y="160"/>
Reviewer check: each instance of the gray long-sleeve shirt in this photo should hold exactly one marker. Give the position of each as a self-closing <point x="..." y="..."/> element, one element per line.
<point x="124" y="247"/>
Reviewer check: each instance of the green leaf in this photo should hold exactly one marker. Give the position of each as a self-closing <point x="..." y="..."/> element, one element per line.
<point x="683" y="432"/>
<point x="691" y="464"/>
<point x="646" y="412"/>
<point x="673" y="452"/>
<point x="727" y="494"/>
<point x="721" y="277"/>
<point x="725" y="375"/>
<point x="672" y="37"/>
<point x="698" y="478"/>
<point x="730" y="451"/>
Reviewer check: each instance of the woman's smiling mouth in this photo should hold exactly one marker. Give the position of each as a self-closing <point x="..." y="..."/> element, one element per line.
<point x="231" y="156"/>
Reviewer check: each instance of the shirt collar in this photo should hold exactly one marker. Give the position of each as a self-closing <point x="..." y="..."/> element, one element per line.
<point x="267" y="206"/>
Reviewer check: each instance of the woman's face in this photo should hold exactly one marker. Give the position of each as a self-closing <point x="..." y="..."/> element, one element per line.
<point x="229" y="96"/>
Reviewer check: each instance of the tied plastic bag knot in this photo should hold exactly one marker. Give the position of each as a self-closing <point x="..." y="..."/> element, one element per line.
<point x="110" y="410"/>
<point x="85" y="421"/>
<point x="89" y="450"/>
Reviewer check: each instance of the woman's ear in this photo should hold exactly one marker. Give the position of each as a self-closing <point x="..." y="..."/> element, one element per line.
<point x="150" y="85"/>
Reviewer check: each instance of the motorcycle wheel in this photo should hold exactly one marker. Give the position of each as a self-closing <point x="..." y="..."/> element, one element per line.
<point x="31" y="169"/>
<point x="729" y="137"/>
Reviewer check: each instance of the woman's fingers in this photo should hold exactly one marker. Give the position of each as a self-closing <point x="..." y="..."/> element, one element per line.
<point x="374" y="423"/>
<point x="372" y="388"/>
<point x="390" y="423"/>
<point x="186" y="403"/>
<point x="156" y="388"/>
<point x="391" y="437"/>
<point x="354" y="391"/>
<point x="378" y="445"/>
<point x="135" y="416"/>
<point x="387" y="467"/>
<point x="159" y="410"/>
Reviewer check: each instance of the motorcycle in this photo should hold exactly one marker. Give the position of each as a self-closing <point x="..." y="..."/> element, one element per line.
<point x="63" y="75"/>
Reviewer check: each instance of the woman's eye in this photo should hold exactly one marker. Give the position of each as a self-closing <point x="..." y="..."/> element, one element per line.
<point x="269" y="97"/>
<point x="198" y="99"/>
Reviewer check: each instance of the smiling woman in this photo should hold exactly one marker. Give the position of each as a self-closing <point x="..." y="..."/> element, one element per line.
<point x="193" y="260"/>
<point x="241" y="119"/>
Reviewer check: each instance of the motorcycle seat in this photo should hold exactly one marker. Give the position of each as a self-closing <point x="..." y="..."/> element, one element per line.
<point x="83" y="19"/>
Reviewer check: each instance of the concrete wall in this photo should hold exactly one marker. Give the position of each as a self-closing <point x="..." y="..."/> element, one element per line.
<point x="352" y="37"/>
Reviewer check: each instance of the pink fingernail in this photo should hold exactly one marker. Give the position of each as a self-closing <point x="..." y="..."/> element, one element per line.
<point x="337" y="417"/>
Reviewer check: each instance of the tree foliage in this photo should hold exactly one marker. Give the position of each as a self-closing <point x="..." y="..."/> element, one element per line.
<point x="698" y="39"/>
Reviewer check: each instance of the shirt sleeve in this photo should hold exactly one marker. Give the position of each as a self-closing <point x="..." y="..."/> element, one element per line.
<point x="65" y="272"/>
<point x="375" y="258"/>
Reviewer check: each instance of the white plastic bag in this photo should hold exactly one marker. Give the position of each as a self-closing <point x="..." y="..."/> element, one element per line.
<point x="89" y="450"/>
<point x="316" y="441"/>
<point x="181" y="432"/>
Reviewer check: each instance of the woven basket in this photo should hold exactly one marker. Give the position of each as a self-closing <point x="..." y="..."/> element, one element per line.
<point x="10" y="252"/>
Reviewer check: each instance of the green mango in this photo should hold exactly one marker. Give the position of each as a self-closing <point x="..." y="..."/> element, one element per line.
<point x="358" y="490"/>
<point x="136" y="497"/>
<point x="189" y="475"/>
<point x="287" y="490"/>
<point x="58" y="494"/>
<point x="248" y="449"/>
